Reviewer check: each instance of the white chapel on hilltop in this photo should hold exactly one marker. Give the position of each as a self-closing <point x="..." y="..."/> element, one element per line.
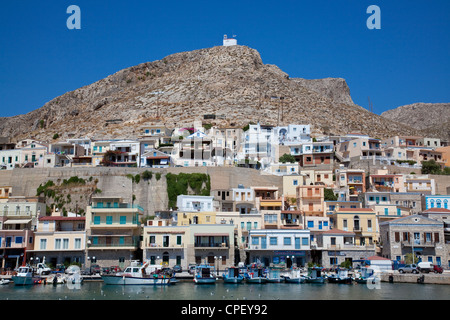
<point x="229" y="42"/>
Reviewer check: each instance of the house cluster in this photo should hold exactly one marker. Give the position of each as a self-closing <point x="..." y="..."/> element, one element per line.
<point x="256" y="145"/>
<point x="325" y="210"/>
<point x="243" y="224"/>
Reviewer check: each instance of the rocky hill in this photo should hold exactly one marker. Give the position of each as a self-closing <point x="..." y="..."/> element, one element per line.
<point x="229" y="81"/>
<point x="432" y="119"/>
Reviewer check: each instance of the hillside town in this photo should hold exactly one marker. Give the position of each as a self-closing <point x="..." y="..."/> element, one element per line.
<point x="336" y="200"/>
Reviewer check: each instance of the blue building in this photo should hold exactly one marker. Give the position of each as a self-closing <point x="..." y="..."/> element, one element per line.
<point x="437" y="202"/>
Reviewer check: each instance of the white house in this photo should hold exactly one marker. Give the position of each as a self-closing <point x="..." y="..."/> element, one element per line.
<point x="190" y="203"/>
<point x="279" y="246"/>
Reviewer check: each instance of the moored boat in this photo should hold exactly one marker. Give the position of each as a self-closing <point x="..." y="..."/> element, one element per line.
<point x="367" y="274"/>
<point x="25" y="276"/>
<point x="232" y="276"/>
<point x="295" y="276"/>
<point x="274" y="275"/>
<point x="341" y="276"/>
<point x="137" y="274"/>
<point x="255" y="275"/>
<point x="204" y="275"/>
<point x="315" y="275"/>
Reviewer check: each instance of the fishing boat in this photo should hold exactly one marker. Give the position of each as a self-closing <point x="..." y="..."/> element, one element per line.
<point x="255" y="275"/>
<point x="315" y="275"/>
<point x="136" y="274"/>
<point x="295" y="276"/>
<point x="341" y="276"/>
<point x="25" y="276"/>
<point x="233" y="276"/>
<point x="204" y="275"/>
<point x="367" y="274"/>
<point x="55" y="279"/>
<point x="274" y="276"/>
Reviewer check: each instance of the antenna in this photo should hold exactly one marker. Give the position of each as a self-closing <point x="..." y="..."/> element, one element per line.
<point x="370" y="105"/>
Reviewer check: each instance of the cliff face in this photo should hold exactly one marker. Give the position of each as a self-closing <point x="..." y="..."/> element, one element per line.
<point x="432" y="119"/>
<point x="229" y="81"/>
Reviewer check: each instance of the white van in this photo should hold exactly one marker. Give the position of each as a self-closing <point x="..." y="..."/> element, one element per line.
<point x="425" y="266"/>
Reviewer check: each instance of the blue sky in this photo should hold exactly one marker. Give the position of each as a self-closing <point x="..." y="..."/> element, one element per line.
<point x="406" y="61"/>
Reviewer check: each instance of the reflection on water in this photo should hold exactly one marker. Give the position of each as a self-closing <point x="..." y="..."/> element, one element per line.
<point x="221" y="291"/>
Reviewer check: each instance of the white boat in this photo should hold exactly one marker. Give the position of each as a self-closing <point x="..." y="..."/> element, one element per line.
<point x="4" y="281"/>
<point x="25" y="276"/>
<point x="56" y="278"/>
<point x="136" y="274"/>
<point x="274" y="276"/>
<point x="204" y="275"/>
<point x="256" y="275"/>
<point x="295" y="276"/>
<point x="232" y="276"/>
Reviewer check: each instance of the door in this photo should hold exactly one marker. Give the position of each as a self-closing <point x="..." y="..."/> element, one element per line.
<point x="297" y="243"/>
<point x="263" y="243"/>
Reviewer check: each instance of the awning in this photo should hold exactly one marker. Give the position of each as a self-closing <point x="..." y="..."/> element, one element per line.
<point x="17" y="221"/>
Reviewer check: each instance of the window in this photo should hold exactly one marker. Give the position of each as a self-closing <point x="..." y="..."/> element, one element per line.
<point x="123" y="219"/>
<point x="305" y="241"/>
<point x="273" y="241"/>
<point x="255" y="225"/>
<point x="78" y="243"/>
<point x="310" y="224"/>
<point x="287" y="241"/>
<point x="65" y="244"/>
<point x="179" y="240"/>
<point x="108" y="219"/>
<point x="255" y="240"/>
<point x="18" y="240"/>
<point x="57" y="244"/>
<point x="295" y="182"/>
<point x="43" y="244"/>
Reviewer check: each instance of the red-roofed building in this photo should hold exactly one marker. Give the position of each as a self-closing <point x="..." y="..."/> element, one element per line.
<point x="59" y="240"/>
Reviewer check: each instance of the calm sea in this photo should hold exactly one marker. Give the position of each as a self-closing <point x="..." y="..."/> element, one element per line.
<point x="220" y="291"/>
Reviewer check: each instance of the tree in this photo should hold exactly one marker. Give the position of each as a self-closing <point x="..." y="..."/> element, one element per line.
<point x="287" y="158"/>
<point x="328" y="195"/>
<point x="430" y="167"/>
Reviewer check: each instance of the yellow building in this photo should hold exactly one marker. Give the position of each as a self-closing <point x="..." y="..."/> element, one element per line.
<point x="113" y="231"/>
<point x="361" y="221"/>
<point x="187" y="218"/>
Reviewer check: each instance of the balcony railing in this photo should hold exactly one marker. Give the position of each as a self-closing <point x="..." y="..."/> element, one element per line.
<point x="211" y="245"/>
<point x="419" y="243"/>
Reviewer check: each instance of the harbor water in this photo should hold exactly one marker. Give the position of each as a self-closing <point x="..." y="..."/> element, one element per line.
<point x="187" y="290"/>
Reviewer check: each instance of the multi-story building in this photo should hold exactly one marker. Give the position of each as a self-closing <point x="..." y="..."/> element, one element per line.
<point x="191" y="203"/>
<point x="60" y="239"/>
<point x="361" y="221"/>
<point x="113" y="231"/>
<point x="260" y="144"/>
<point x="338" y="246"/>
<point x="351" y="183"/>
<point x="310" y="200"/>
<point x="279" y="246"/>
<point x="314" y="154"/>
<point x="226" y="143"/>
<point x="18" y="221"/>
<point x="383" y="181"/>
<point x="415" y="234"/>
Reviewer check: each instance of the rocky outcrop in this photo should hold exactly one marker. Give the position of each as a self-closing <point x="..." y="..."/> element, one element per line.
<point x="183" y="87"/>
<point x="432" y="119"/>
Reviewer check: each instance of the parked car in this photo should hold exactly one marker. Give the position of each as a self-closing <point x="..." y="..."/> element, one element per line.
<point x="115" y="269"/>
<point x="437" y="269"/>
<point x="177" y="269"/>
<point x="409" y="268"/>
<point x="425" y="266"/>
<point x="95" y="268"/>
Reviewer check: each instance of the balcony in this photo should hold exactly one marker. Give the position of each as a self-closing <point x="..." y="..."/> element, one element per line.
<point x="419" y="243"/>
<point x="211" y="245"/>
